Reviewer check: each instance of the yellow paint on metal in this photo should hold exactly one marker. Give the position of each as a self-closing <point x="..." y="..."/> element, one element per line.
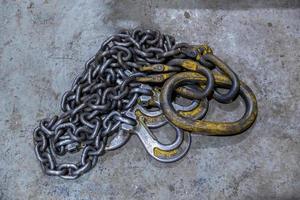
<point x="209" y="127"/>
<point x="192" y="113"/>
<point x="190" y="65"/>
<point x="203" y="49"/>
<point x="159" y="152"/>
<point x="155" y="78"/>
<point x="155" y="68"/>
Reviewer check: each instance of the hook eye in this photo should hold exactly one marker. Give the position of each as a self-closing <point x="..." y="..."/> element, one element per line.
<point x="175" y="154"/>
<point x="153" y="119"/>
<point x="162" y="152"/>
<point x="148" y="138"/>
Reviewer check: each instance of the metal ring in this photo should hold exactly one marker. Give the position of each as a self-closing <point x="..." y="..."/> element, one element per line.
<point x="212" y="128"/>
<point x="235" y="83"/>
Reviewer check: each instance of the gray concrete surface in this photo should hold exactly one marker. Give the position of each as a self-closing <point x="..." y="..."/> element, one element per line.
<point x="44" y="44"/>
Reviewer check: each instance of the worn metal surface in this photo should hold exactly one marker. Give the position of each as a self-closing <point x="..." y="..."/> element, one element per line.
<point x="44" y="44"/>
<point x="203" y="126"/>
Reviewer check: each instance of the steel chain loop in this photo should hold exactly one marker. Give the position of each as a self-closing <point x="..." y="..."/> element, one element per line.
<point x="128" y="65"/>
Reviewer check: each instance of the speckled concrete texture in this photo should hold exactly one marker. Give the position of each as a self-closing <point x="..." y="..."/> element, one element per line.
<point x="44" y="44"/>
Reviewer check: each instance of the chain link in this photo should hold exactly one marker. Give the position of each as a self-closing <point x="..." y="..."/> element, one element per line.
<point x="92" y="110"/>
<point x="104" y="101"/>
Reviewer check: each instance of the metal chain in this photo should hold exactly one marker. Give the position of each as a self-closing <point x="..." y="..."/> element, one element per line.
<point x="92" y="110"/>
<point x="115" y="81"/>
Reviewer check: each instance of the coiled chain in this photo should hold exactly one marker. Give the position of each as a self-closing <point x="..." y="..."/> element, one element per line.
<point x="93" y="107"/>
<point x="134" y="68"/>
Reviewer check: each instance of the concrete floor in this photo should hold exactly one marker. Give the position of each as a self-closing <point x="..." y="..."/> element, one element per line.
<point x="44" y="44"/>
